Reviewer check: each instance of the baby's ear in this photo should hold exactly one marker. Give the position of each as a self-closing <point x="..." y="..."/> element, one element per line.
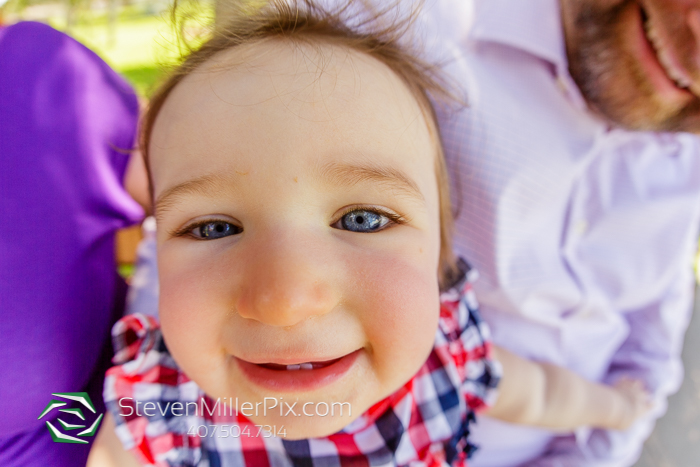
<point x="136" y="181"/>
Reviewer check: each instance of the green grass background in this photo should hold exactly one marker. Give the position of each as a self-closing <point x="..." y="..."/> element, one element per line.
<point x="142" y="47"/>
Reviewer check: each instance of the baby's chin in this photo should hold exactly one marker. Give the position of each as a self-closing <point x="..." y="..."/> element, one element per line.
<point x="322" y="414"/>
<point x="312" y="415"/>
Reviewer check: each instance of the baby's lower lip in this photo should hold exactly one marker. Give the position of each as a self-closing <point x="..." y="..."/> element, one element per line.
<point x="299" y="377"/>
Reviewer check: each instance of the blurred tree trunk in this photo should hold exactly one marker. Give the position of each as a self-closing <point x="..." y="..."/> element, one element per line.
<point x="70" y="13"/>
<point x="112" y="23"/>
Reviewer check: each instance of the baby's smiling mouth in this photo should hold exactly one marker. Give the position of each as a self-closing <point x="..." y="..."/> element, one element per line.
<point x="300" y="375"/>
<point x="299" y="366"/>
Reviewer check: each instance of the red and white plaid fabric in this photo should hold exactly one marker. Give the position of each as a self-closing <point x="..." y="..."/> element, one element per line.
<point x="423" y="424"/>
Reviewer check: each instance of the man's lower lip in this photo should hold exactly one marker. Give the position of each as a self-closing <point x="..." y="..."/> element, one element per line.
<point x="297" y="380"/>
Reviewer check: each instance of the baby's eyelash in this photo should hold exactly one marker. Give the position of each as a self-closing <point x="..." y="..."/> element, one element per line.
<point x="186" y="231"/>
<point x="392" y="216"/>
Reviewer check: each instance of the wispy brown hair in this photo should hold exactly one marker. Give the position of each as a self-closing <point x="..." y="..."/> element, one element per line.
<point x="356" y="24"/>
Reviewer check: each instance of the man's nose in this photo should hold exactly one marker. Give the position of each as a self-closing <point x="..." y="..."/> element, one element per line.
<point x="287" y="280"/>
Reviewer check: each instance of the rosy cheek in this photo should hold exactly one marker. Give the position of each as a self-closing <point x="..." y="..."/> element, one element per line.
<point x="399" y="313"/>
<point x="191" y="310"/>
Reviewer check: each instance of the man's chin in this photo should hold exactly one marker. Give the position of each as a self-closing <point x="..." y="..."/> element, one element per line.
<point x="649" y="115"/>
<point x="620" y="94"/>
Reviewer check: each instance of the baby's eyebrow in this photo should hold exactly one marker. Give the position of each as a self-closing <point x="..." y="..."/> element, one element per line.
<point x="351" y="174"/>
<point x="205" y="185"/>
<point x="336" y="173"/>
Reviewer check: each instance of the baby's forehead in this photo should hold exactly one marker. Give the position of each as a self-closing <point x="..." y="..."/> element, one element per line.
<point x="293" y="86"/>
<point x="307" y="70"/>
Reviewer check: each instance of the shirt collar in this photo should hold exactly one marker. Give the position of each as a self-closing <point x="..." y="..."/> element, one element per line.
<point x="533" y="26"/>
<point x="530" y="25"/>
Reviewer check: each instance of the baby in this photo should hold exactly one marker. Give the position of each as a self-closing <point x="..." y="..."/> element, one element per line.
<point x="311" y="306"/>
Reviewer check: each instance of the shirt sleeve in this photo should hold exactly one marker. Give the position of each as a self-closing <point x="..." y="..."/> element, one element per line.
<point x="650" y="353"/>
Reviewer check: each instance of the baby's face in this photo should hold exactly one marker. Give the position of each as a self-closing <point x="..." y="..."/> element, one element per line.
<point x="298" y="232"/>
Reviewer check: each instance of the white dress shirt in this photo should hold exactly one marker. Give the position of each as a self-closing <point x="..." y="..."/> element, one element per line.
<point x="583" y="234"/>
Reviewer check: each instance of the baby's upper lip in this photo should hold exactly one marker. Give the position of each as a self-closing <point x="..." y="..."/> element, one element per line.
<point x="294" y="359"/>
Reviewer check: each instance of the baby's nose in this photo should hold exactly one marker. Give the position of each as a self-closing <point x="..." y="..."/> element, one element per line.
<point x="287" y="283"/>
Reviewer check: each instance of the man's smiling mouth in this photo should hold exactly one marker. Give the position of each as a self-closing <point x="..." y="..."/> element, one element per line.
<point x="665" y="53"/>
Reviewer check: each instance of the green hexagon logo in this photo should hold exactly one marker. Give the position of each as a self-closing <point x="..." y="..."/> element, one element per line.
<point x="77" y="418"/>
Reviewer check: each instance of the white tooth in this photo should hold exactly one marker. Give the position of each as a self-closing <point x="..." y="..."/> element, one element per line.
<point x="674" y="73"/>
<point x="653" y="36"/>
<point x="307" y="366"/>
<point x="675" y="76"/>
<point x="684" y="82"/>
<point x="293" y="367"/>
<point x="651" y="32"/>
<point x="666" y="62"/>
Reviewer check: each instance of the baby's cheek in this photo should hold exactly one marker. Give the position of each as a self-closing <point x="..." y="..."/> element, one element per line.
<point x="191" y="313"/>
<point x="400" y="317"/>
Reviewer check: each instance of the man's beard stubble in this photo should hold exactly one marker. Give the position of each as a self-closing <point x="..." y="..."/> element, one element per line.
<point x="613" y="82"/>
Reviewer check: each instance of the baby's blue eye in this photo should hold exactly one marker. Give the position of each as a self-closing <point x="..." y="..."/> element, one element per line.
<point x="364" y="221"/>
<point x="215" y="229"/>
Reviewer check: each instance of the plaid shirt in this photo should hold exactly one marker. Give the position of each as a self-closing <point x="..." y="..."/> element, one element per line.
<point x="425" y="423"/>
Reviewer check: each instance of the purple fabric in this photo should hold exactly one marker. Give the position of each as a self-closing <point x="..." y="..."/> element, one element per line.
<point x="67" y="122"/>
